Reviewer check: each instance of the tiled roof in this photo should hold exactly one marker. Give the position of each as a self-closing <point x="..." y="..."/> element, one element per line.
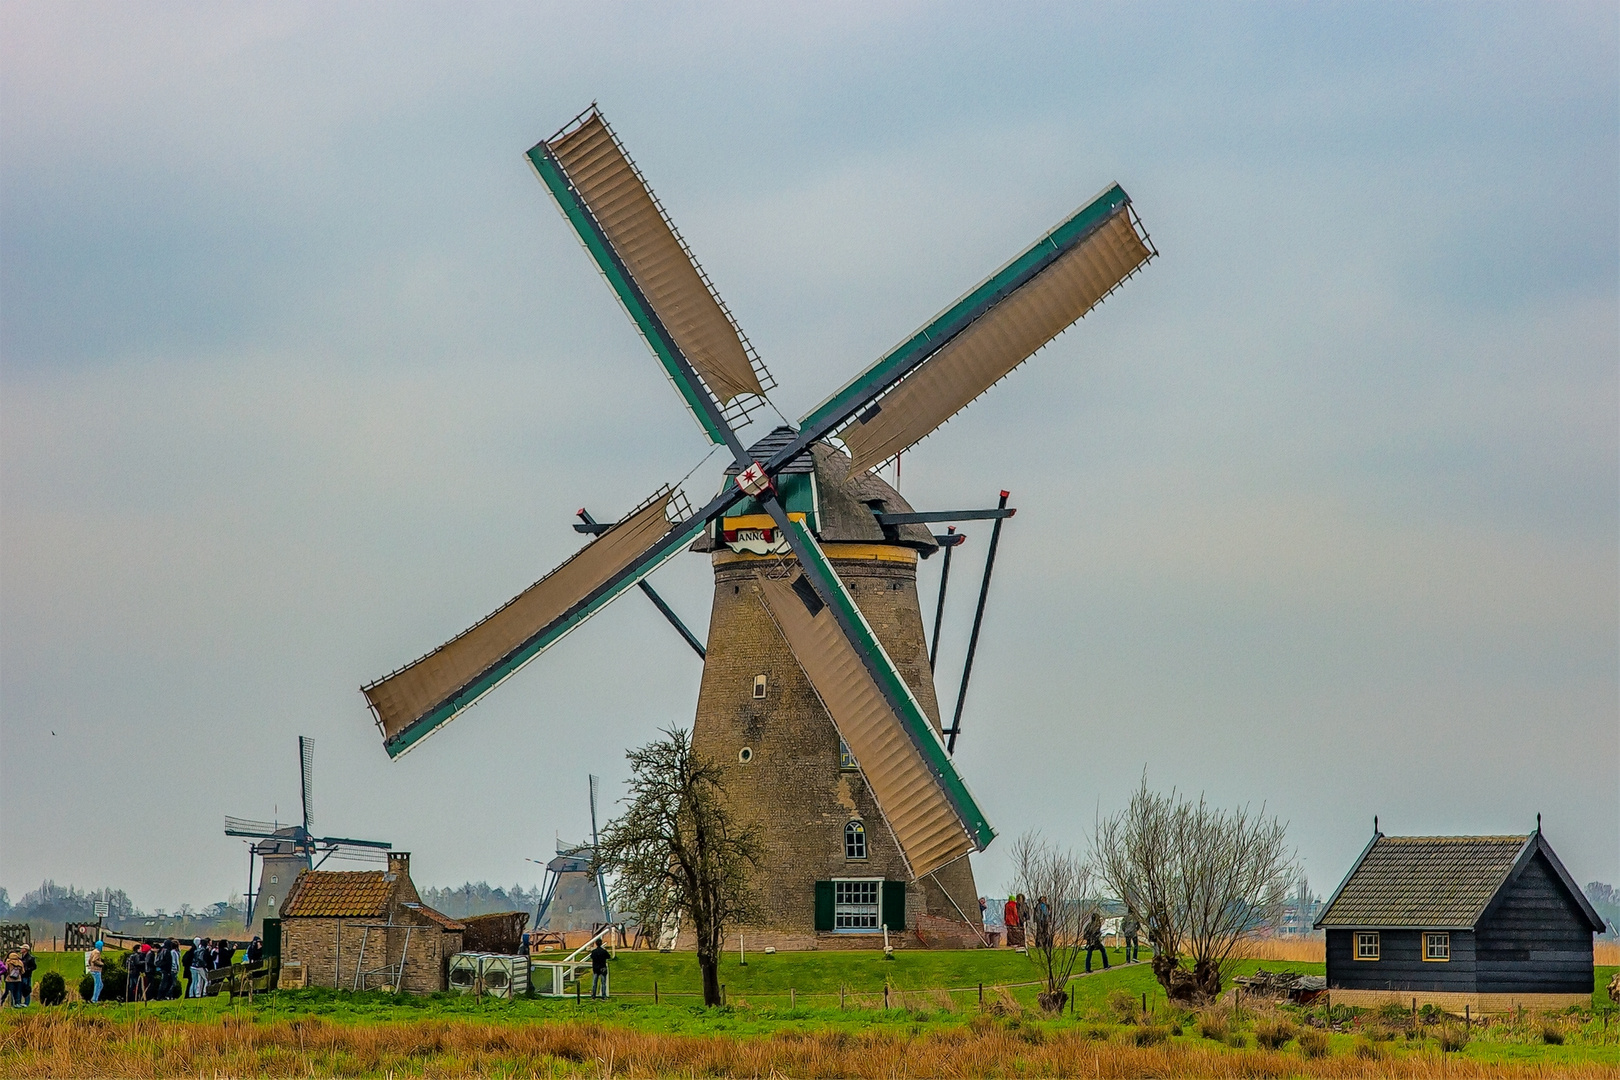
<point x="444" y="921"/>
<point x="1417" y="881"/>
<point x="340" y="893"/>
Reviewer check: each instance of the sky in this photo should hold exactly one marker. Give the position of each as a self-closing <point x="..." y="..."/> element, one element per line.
<point x="302" y="373"/>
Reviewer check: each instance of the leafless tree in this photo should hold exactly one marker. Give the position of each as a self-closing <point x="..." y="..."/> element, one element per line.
<point x="678" y="851"/>
<point x="1197" y="878"/>
<point x="1057" y="883"/>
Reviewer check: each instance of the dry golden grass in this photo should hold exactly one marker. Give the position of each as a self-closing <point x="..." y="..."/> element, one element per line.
<point x="1302" y="950"/>
<point x="1606" y="953"/>
<point x="60" y="1044"/>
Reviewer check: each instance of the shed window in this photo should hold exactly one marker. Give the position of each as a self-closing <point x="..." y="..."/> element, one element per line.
<point x="855" y="905"/>
<point x="1367" y="946"/>
<point x="854" y="840"/>
<point x="1437" y="947"/>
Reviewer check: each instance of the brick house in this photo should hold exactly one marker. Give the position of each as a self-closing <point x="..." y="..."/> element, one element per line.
<point x="367" y="929"/>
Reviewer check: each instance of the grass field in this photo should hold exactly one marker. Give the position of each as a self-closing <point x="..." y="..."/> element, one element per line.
<point x="783" y="1018"/>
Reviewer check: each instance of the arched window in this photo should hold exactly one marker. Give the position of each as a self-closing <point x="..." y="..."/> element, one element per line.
<point x="854" y="840"/>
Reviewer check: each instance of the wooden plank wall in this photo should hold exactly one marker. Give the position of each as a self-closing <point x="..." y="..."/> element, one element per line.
<point x="1535" y="940"/>
<point x="1401" y="965"/>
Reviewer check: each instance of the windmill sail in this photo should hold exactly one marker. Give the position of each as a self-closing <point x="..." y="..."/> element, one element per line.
<point x="645" y="260"/>
<point x="306" y="779"/>
<point x="933" y="816"/>
<point x="421" y="697"/>
<point x="988" y="332"/>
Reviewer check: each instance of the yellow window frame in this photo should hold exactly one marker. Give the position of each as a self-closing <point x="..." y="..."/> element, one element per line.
<point x="1441" y="939"/>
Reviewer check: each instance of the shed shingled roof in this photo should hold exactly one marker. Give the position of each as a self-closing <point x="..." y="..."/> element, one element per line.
<point x="1434" y="881"/>
<point x="340" y="894"/>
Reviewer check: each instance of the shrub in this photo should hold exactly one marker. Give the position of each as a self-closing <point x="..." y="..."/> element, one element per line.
<point x="1393" y="1012"/>
<point x="1272" y="1034"/>
<point x="112" y="985"/>
<point x="1212" y="1026"/>
<point x="1368" y="1050"/>
<point x="1149" y="1035"/>
<point x="1453" y="1038"/>
<point x="1552" y="1035"/>
<point x="1379" y="1033"/>
<point x="1124" y="1005"/>
<point x="1431" y="1014"/>
<point x="1314" y="1043"/>
<point x="52" y="989"/>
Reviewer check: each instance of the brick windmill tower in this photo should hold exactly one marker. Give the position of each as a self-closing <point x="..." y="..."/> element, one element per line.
<point x="817" y="691"/>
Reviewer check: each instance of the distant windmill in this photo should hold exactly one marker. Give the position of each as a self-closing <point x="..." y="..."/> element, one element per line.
<point x="574" y="895"/>
<point x="283" y="850"/>
<point x="817" y="690"/>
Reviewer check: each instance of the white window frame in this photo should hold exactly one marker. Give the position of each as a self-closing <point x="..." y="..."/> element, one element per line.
<point x="1368" y="945"/>
<point x="855" y="830"/>
<point x="1437" y="947"/>
<point x="850" y="916"/>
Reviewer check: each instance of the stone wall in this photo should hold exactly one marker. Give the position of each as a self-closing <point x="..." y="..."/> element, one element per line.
<point x="330" y="950"/>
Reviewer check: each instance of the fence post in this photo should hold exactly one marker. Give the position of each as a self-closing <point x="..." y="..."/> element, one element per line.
<point x="655" y="991"/>
<point x="885" y="995"/>
<point x="840" y="995"/>
<point x="981" y="995"/>
<point x="793" y="999"/>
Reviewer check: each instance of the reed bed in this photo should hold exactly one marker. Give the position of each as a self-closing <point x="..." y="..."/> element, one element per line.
<point x="1606" y="953"/>
<point x="1299" y="950"/>
<point x="72" y="1044"/>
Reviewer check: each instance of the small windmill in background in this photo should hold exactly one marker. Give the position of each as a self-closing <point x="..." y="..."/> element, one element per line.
<point x="282" y="851"/>
<point x="575" y="896"/>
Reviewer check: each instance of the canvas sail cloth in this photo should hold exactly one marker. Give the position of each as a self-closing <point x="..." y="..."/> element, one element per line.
<point x="663" y="269"/>
<point x="998" y="341"/>
<point x="925" y="824"/>
<point x="418" y="690"/>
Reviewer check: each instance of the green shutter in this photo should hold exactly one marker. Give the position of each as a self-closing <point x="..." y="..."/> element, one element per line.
<point x="824" y="905"/>
<point x="894" y="905"/>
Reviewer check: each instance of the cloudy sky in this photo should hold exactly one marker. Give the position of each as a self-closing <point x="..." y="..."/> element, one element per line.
<point x="301" y="373"/>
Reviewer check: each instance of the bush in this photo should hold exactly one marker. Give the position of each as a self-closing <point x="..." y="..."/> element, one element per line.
<point x="1368" y="1050"/>
<point x="1393" y="1012"/>
<point x="1314" y="1043"/>
<point x="112" y="985"/>
<point x="1149" y="1035"/>
<point x="1552" y="1035"/>
<point x="1212" y="1026"/>
<point x="1125" y="1005"/>
<point x="1272" y="1034"/>
<point x="52" y="989"/>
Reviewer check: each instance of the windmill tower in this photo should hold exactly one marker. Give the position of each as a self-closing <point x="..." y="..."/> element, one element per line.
<point x="817" y="690"/>
<point x="283" y="851"/>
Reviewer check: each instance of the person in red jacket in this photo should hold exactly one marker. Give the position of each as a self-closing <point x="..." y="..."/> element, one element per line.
<point x="1014" y="921"/>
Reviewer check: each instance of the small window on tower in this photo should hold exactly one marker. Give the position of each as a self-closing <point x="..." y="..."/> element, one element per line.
<point x="272" y="901"/>
<point x="846" y="759"/>
<point x="854" y="840"/>
<point x="759" y="687"/>
<point x="274" y="879"/>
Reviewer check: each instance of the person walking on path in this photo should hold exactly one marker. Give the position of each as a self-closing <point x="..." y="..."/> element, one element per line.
<point x="599" y="970"/>
<point x="14" y="976"/>
<point x="1130" y="927"/>
<point x="168" y="969"/>
<point x="1094" y="941"/>
<point x="132" y="974"/>
<point x="199" y="966"/>
<point x="93" y="963"/>
<point x="29" y="964"/>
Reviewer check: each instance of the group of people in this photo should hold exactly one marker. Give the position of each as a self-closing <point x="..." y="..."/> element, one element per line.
<point x="20" y="965"/>
<point x="155" y="973"/>
<point x="1019" y="915"/>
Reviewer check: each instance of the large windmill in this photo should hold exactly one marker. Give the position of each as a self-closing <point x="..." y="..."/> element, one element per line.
<point x="282" y="851"/>
<point x="815" y="615"/>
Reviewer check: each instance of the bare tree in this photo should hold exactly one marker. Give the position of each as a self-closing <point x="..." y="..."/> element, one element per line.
<point x="1058" y="884"/>
<point x="1197" y="878"/>
<point x="678" y="851"/>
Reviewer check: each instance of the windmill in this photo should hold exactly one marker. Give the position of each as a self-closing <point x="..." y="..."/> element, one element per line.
<point x="815" y="615"/>
<point x="282" y="851"/>
<point x="574" y="896"/>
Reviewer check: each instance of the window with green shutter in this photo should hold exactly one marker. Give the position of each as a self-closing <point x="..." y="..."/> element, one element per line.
<point x="824" y="905"/>
<point x="894" y="905"/>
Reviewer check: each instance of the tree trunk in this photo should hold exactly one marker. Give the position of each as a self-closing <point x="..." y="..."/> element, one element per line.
<point x="709" y="964"/>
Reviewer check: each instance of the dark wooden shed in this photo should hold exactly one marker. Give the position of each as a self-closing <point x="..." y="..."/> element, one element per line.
<point x="1489" y="922"/>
